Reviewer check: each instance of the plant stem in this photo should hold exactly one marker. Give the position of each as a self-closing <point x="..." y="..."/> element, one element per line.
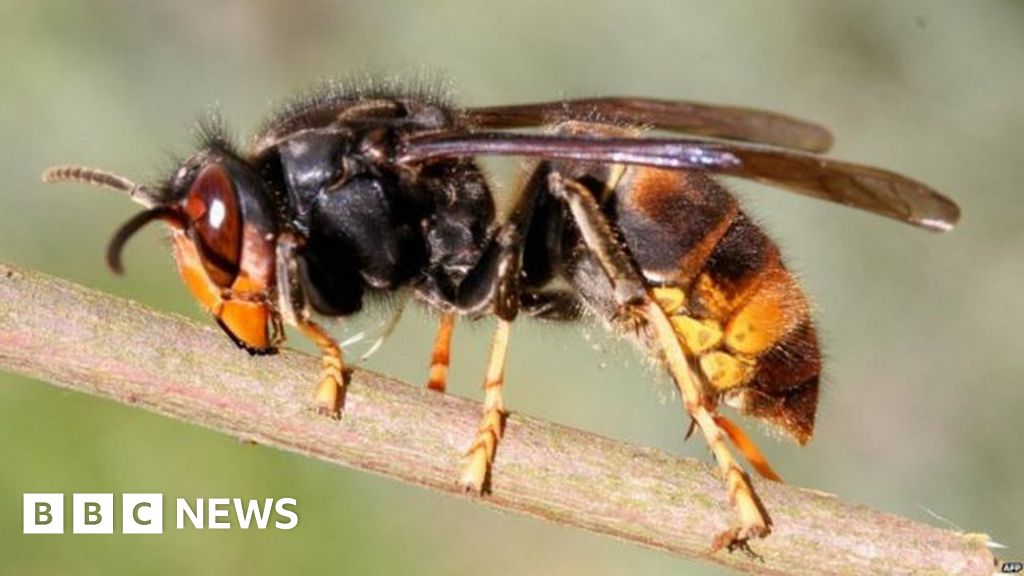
<point x="91" y="342"/>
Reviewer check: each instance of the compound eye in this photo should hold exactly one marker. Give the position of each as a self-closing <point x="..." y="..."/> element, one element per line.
<point x="216" y="223"/>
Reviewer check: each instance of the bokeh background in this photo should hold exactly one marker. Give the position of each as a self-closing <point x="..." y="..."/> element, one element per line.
<point x="923" y="333"/>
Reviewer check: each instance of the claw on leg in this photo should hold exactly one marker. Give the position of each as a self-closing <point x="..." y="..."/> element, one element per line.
<point x="477" y="467"/>
<point x="480" y="455"/>
<point x="329" y="396"/>
<point x="733" y="541"/>
<point x="327" y="399"/>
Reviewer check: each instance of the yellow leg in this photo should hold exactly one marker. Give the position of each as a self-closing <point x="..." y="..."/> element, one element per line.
<point x="328" y="397"/>
<point x="633" y="295"/>
<point x="441" y="355"/>
<point x="481" y="454"/>
<point x="753" y="521"/>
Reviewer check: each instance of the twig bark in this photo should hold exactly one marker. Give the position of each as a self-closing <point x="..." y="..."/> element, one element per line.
<point x="87" y="341"/>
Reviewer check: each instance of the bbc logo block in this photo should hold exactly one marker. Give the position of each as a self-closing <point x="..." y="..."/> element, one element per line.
<point x="142" y="513"/>
<point x="92" y="514"/>
<point x="43" y="513"/>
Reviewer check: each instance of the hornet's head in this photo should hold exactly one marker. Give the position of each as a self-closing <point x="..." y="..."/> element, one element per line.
<point x="223" y="232"/>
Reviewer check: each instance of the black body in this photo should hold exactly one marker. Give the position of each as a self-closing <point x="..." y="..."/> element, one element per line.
<point x="365" y="224"/>
<point x="368" y="224"/>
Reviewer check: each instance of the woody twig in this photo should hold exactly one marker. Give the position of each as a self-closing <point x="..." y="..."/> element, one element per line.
<point x="91" y="342"/>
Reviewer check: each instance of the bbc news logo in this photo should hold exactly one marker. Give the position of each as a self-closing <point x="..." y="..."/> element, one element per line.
<point x="144" y="513"/>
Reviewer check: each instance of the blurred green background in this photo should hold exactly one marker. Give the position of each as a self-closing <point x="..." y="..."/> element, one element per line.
<point x="923" y="333"/>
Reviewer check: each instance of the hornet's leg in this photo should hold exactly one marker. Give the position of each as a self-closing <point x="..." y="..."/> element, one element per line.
<point x="480" y="455"/>
<point x="441" y="355"/>
<point x="493" y="285"/>
<point x="634" y="299"/>
<point x="754" y="521"/>
<point x="293" y="306"/>
<point x="330" y="389"/>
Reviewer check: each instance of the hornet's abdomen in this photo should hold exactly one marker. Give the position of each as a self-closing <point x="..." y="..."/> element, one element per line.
<point x="721" y="280"/>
